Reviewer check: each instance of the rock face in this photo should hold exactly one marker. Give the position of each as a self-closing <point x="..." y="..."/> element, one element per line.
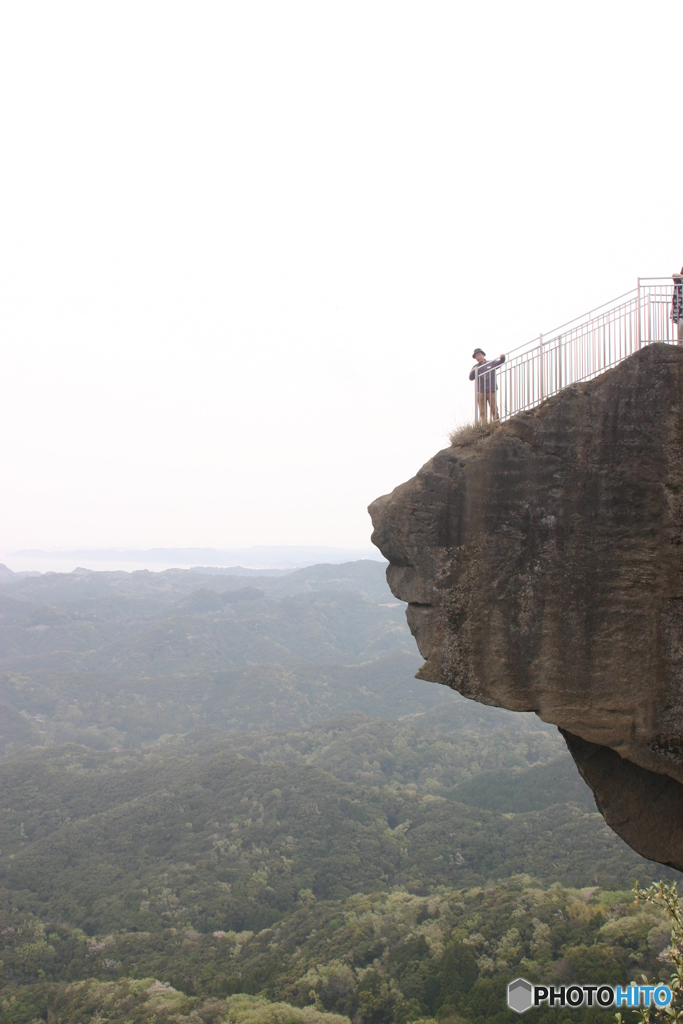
<point x="543" y="566"/>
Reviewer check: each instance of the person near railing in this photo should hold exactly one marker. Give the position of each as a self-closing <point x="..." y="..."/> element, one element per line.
<point x="484" y="375"/>
<point x="677" y="304"/>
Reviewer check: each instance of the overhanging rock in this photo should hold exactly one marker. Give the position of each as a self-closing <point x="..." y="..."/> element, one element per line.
<point x="543" y="566"/>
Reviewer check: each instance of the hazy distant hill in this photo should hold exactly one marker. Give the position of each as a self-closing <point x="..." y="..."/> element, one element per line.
<point x="336" y="626"/>
<point x="365" y="577"/>
<point x="116" y="659"/>
<point x="259" y="557"/>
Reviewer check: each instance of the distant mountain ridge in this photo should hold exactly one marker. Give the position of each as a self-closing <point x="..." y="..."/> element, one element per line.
<point x="260" y="556"/>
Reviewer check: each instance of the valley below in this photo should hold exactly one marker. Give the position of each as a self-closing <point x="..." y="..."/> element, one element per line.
<point x="226" y="797"/>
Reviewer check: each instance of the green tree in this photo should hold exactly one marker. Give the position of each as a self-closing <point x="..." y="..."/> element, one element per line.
<point x="666" y="897"/>
<point x="458" y="974"/>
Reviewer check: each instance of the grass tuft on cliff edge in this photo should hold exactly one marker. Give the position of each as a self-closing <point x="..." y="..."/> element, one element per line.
<point x="470" y="433"/>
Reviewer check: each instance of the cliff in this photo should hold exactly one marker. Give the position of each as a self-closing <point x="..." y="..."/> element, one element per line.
<point x="543" y="566"/>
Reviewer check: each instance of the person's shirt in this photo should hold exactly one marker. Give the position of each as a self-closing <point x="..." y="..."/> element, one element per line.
<point x="677" y="305"/>
<point x="486" y="373"/>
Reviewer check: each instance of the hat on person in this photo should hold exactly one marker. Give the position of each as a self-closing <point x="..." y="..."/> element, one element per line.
<point x="477" y="351"/>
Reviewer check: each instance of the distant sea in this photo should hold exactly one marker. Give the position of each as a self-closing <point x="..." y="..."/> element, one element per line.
<point x="260" y="558"/>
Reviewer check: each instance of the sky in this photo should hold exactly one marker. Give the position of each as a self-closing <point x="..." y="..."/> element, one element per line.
<point x="246" y="249"/>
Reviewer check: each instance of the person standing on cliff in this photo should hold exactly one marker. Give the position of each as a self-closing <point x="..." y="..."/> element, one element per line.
<point x="677" y="304"/>
<point x="485" y="376"/>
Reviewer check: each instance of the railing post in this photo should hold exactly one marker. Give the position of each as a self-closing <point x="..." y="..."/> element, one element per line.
<point x="638" y="315"/>
<point x="540" y="371"/>
<point x="559" y="372"/>
<point x="476" y="397"/>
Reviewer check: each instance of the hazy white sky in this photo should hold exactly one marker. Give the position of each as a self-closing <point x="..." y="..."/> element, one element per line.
<point x="246" y="248"/>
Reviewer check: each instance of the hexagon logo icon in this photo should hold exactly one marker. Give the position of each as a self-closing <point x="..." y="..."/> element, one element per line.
<point x="520" y="995"/>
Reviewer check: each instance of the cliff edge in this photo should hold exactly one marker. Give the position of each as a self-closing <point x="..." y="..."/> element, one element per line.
<point x="543" y="566"/>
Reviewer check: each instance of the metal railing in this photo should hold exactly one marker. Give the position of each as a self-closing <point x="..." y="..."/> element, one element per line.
<point x="579" y="350"/>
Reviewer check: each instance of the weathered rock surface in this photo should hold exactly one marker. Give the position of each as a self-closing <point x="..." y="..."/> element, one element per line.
<point x="543" y="566"/>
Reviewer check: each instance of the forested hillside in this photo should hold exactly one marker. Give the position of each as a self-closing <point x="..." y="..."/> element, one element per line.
<point x="228" y="797"/>
<point x="121" y="659"/>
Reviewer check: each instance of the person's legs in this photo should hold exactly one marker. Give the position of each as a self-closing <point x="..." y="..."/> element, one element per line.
<point x="482" y="406"/>
<point x="492" y="405"/>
